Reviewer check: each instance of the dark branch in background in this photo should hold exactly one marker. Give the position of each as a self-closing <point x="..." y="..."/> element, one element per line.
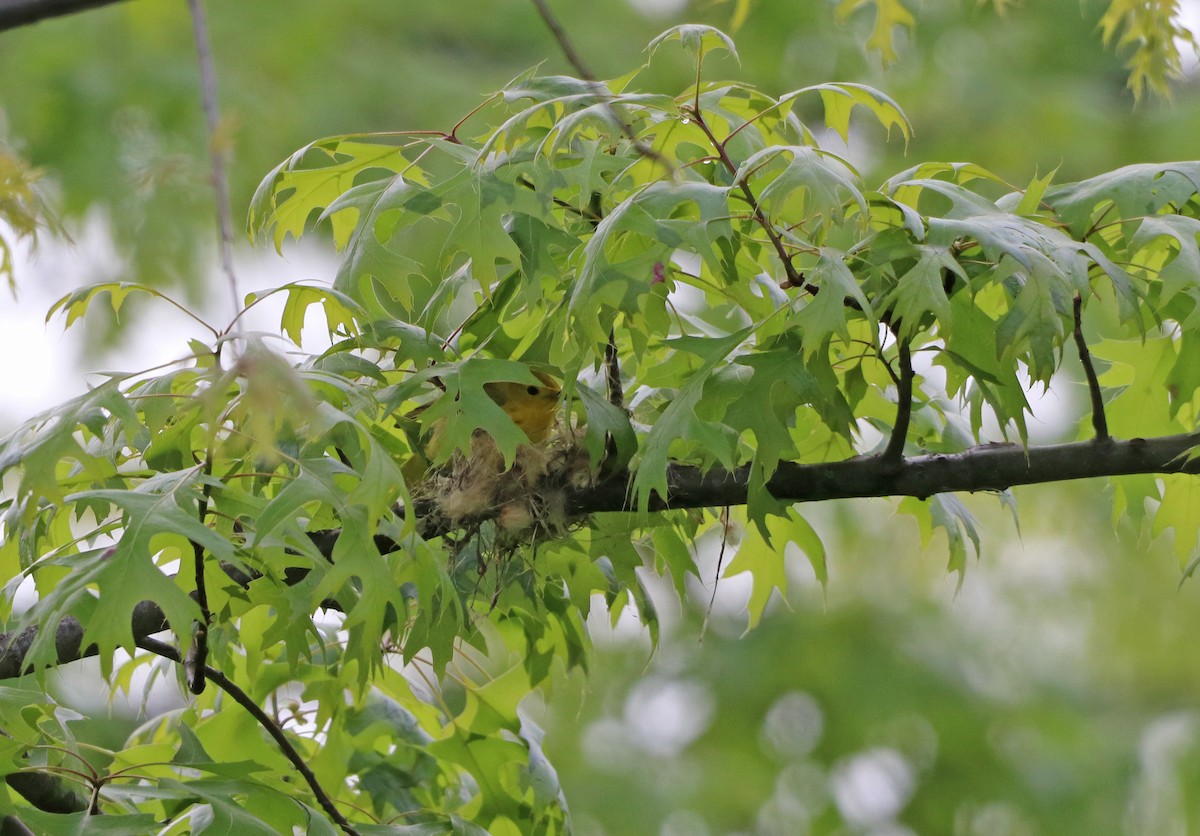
<point x="13" y="826"/>
<point x="272" y="728"/>
<point x="14" y="13"/>
<point x="1099" y="422"/>
<point x="564" y="42"/>
<point x="217" y="148"/>
<point x="197" y="654"/>
<point x="904" y="397"/>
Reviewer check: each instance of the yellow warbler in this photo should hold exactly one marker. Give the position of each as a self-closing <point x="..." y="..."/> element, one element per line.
<point x="531" y="407"/>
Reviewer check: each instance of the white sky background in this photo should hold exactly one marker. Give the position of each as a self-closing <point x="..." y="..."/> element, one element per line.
<point x="41" y="364"/>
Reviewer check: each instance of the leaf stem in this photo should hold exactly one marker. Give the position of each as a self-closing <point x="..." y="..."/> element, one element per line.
<point x="272" y="728"/>
<point x="1099" y="421"/>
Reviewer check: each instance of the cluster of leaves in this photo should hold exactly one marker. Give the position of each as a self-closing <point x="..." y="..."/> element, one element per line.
<point x="764" y="304"/>
<point x="1152" y="34"/>
<point x="23" y="208"/>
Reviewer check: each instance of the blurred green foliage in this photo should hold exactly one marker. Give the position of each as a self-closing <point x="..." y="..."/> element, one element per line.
<point x="1051" y="695"/>
<point x="107" y="101"/>
<point x="1055" y="694"/>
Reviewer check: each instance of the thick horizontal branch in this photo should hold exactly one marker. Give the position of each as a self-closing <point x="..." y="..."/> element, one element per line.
<point x="991" y="467"/>
<point x="14" y="13"/>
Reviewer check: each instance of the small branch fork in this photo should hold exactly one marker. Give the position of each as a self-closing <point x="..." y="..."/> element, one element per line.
<point x="1099" y="421"/>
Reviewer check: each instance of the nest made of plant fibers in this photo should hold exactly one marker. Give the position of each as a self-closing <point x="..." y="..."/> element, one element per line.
<point x="525" y="498"/>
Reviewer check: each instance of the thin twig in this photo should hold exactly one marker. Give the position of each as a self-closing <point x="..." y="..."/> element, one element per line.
<point x="904" y="395"/>
<point x="612" y="371"/>
<point x="1099" y="422"/>
<point x="794" y="277"/>
<point x="576" y="61"/>
<point x="217" y="149"/>
<point x="717" y="575"/>
<point x="272" y="728"/>
<point x="564" y="42"/>
<point x="197" y="655"/>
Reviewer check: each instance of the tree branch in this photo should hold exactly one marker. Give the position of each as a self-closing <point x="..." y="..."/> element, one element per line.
<point x="270" y="726"/>
<point x="1099" y="422"/>
<point x="14" y="13"/>
<point x="904" y="397"/>
<point x="990" y="467"/>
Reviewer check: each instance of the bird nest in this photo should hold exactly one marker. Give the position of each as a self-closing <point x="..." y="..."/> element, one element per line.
<point x="526" y="500"/>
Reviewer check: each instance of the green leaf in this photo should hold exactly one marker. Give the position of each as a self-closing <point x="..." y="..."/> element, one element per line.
<point x="1134" y="191"/>
<point x="947" y="512"/>
<point x="921" y="290"/>
<point x="825" y="314"/>
<point x="1031" y="199"/>
<point x="313" y="178"/>
<point x="840" y="99"/>
<point x="466" y="407"/>
<point x="889" y="14"/>
<point x="605" y="421"/>
<point x="76" y="304"/>
<point x="679" y="420"/>
<point x="1179" y="511"/>
<point x="637" y="237"/>
<point x="696" y="39"/>
<point x="341" y="312"/>
<point x="1171" y="239"/>
<point x="813" y="183"/>
<point x="762" y="555"/>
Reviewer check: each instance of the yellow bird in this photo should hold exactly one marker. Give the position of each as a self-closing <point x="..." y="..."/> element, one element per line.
<point x="531" y="407"/>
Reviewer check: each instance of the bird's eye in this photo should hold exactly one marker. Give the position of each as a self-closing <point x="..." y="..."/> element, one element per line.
<point x="532" y="390"/>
